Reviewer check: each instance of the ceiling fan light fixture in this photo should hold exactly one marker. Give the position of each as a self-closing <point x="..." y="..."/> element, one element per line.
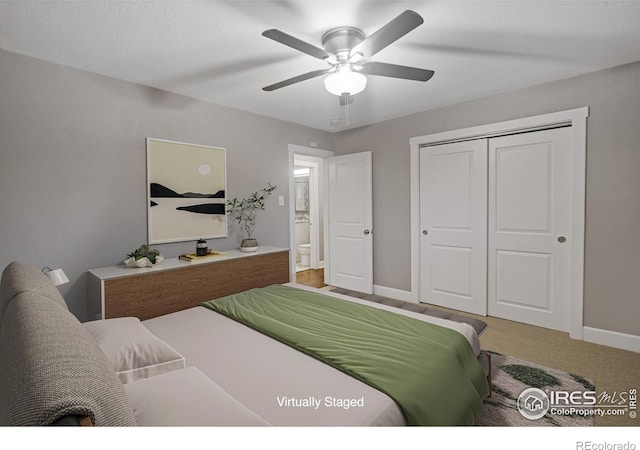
<point x="345" y="81"/>
<point x="347" y="50"/>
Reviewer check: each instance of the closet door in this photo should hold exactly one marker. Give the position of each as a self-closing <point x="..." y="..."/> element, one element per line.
<point x="529" y="241"/>
<point x="453" y="221"/>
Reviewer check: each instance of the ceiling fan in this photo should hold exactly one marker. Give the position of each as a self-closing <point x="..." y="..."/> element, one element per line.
<point x="347" y="51"/>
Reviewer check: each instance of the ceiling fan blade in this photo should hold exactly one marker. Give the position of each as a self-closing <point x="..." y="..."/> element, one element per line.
<point x="297" y="79"/>
<point x="388" y="34"/>
<point x="298" y="44"/>
<point x="395" y="71"/>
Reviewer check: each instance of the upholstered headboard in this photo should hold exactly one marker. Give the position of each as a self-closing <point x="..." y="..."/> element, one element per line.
<point x="50" y="366"/>
<point x="19" y="277"/>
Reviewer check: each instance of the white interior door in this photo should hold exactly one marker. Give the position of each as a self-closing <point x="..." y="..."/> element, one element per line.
<point x="453" y="221"/>
<point x="350" y="222"/>
<point x="530" y="227"/>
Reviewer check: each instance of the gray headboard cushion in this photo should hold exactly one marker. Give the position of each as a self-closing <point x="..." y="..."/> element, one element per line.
<point x="19" y="277"/>
<point x="50" y="367"/>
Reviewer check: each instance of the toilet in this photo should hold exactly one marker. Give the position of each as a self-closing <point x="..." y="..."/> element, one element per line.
<point x="304" y="251"/>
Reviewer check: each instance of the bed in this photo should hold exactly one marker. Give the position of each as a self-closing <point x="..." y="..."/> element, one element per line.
<point x="206" y="367"/>
<point x="283" y="385"/>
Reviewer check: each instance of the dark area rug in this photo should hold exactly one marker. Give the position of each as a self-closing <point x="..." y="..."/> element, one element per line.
<point x="511" y="376"/>
<point x="477" y="324"/>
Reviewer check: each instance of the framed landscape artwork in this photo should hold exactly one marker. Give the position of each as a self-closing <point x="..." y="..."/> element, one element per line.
<point x="186" y="191"/>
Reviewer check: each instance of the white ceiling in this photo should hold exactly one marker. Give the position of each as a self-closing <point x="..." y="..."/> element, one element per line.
<point x="214" y="51"/>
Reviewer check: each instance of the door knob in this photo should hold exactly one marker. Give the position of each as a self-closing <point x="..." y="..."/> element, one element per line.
<point x="366" y="231"/>
<point x="425" y="232"/>
<point x="562" y="239"/>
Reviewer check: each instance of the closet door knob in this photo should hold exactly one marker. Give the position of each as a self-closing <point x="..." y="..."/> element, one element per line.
<point x="562" y="239"/>
<point x="425" y="232"/>
<point x="366" y="231"/>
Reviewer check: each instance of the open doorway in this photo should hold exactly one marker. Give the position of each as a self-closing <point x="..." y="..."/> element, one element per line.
<point x="307" y="221"/>
<point x="306" y="205"/>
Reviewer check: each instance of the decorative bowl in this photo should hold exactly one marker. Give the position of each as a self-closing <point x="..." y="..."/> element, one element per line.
<point x="143" y="262"/>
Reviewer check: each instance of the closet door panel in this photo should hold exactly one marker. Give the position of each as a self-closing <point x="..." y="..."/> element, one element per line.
<point x="529" y="226"/>
<point x="522" y="279"/>
<point x="523" y="188"/>
<point x="453" y="210"/>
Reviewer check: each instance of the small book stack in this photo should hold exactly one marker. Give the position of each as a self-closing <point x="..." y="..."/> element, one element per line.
<point x="192" y="257"/>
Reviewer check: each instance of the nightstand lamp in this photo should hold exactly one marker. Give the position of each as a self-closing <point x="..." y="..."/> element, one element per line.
<point x="57" y="276"/>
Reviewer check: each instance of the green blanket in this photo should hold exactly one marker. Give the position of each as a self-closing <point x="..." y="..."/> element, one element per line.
<point x="430" y="371"/>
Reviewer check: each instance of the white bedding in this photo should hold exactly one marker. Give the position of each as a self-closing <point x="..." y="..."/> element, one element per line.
<point x="280" y="384"/>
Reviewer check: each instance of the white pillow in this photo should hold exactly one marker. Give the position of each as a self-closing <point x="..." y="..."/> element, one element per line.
<point x="133" y="350"/>
<point x="187" y="398"/>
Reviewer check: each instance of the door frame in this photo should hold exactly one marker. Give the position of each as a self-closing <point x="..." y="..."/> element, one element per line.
<point x="577" y="118"/>
<point x="315" y="153"/>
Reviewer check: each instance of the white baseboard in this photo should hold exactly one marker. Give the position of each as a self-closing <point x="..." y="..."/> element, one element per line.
<point x="397" y="294"/>
<point x="612" y="339"/>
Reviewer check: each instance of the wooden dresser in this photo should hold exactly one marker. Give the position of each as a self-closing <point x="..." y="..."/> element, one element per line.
<point x="173" y="285"/>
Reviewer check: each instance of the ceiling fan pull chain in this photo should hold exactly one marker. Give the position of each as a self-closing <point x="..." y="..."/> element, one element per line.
<point x="346" y="110"/>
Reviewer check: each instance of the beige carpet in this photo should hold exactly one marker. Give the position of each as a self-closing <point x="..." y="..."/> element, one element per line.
<point x="611" y="369"/>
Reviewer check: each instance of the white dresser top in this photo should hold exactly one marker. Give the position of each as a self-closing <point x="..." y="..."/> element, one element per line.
<point x="121" y="270"/>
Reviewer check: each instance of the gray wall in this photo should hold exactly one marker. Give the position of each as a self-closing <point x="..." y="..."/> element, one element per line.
<point x="73" y="166"/>
<point x="612" y="266"/>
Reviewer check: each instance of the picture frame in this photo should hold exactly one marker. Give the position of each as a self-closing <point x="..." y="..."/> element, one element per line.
<point x="186" y="191"/>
